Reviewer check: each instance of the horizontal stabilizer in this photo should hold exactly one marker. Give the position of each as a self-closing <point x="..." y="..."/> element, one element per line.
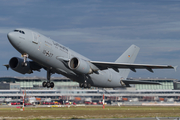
<point x="127" y="82"/>
<point x="7" y="66"/>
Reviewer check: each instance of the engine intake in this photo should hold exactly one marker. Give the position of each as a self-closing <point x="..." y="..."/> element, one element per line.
<point x="79" y="65"/>
<point x="15" y="64"/>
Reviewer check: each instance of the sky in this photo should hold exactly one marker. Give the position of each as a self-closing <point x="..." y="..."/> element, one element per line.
<point x="101" y="30"/>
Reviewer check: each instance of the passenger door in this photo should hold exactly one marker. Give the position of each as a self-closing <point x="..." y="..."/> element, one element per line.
<point x="35" y="38"/>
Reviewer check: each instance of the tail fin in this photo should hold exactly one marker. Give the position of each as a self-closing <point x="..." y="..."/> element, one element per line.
<point x="128" y="56"/>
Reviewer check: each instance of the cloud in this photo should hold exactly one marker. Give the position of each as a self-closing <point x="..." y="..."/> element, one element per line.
<point x="3" y="19"/>
<point x="5" y="30"/>
<point x="170" y="27"/>
<point x="99" y="30"/>
<point x="16" y="3"/>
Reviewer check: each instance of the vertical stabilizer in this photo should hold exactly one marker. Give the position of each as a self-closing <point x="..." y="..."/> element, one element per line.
<point x="128" y="56"/>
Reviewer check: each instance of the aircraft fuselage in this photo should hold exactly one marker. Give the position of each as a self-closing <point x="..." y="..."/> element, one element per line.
<point x="47" y="52"/>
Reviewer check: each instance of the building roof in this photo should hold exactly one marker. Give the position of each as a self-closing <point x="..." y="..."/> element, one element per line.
<point x="13" y="79"/>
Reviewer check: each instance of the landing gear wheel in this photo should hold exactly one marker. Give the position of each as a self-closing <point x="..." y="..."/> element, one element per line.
<point x="89" y="86"/>
<point x="81" y="85"/>
<point x="24" y="64"/>
<point x="52" y="84"/>
<point x="44" y="84"/>
<point x="48" y="85"/>
<point x="85" y="84"/>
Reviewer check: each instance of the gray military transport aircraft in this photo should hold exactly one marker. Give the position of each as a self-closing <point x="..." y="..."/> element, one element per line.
<point x="56" y="58"/>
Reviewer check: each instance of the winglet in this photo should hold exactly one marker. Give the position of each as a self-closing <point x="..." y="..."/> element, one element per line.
<point x="175" y="68"/>
<point x="7" y="66"/>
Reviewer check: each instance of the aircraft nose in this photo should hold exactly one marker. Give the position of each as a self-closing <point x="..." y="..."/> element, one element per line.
<point x="10" y="36"/>
<point x="13" y="39"/>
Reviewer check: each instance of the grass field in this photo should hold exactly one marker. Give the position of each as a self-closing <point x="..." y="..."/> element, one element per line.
<point x="90" y="112"/>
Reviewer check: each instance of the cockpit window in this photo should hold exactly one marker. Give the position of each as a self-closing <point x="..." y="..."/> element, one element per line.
<point x="16" y="30"/>
<point x="19" y="31"/>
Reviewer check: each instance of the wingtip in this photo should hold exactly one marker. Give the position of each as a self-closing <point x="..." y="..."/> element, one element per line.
<point x="175" y="67"/>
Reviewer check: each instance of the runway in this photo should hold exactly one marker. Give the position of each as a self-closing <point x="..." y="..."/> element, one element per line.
<point x="157" y="118"/>
<point x="91" y="112"/>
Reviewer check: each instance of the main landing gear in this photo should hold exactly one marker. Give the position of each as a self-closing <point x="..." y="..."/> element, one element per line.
<point x="85" y="84"/>
<point x="48" y="84"/>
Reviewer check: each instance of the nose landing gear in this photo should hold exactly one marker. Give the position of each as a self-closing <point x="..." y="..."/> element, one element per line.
<point x="48" y="84"/>
<point x="25" y="56"/>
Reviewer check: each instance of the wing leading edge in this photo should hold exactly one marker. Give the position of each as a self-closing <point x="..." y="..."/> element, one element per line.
<point x="131" y="66"/>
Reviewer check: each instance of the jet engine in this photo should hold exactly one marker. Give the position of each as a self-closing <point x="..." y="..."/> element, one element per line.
<point x="79" y="65"/>
<point x="16" y="64"/>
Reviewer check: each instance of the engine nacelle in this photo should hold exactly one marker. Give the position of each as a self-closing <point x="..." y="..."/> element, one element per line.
<point x="79" y="65"/>
<point x="15" y="63"/>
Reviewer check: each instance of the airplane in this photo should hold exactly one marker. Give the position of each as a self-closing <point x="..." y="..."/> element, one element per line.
<point x="56" y="58"/>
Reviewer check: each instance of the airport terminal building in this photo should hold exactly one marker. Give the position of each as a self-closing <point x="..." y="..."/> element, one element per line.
<point x="12" y="88"/>
<point x="12" y="83"/>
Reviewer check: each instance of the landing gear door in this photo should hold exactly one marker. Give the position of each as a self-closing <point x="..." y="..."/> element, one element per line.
<point x="35" y="38"/>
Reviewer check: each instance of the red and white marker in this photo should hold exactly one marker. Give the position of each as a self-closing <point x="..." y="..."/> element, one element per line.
<point x="103" y="102"/>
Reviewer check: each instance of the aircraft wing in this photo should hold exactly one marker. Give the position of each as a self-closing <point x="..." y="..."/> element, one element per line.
<point x="131" y="66"/>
